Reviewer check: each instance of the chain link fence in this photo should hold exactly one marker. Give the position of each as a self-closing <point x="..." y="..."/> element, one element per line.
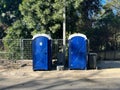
<point x="26" y="49"/>
<point x="17" y="49"/>
<point x="21" y="49"/>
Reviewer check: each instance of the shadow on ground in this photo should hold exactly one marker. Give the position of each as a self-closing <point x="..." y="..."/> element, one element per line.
<point x="64" y="84"/>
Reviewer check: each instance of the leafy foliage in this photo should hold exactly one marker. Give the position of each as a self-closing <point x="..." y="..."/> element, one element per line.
<point x="44" y="16"/>
<point x="106" y="29"/>
<point x="15" y="33"/>
<point x="90" y="10"/>
<point x="9" y="13"/>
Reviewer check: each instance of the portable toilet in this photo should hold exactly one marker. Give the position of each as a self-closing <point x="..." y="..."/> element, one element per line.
<point x="77" y="51"/>
<point x="41" y="52"/>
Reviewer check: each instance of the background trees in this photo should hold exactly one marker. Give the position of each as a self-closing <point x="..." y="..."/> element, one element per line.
<point x="107" y="27"/>
<point x="43" y="16"/>
<point x="9" y="13"/>
<point x="98" y="19"/>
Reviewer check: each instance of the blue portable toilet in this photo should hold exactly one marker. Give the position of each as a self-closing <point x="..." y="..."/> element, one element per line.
<point x="41" y="52"/>
<point x="77" y="51"/>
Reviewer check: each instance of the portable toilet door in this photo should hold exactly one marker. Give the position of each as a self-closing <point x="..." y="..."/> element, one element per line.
<point x="41" y="51"/>
<point x="77" y="51"/>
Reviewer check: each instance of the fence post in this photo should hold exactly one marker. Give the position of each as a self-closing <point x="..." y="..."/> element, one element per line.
<point x="21" y="48"/>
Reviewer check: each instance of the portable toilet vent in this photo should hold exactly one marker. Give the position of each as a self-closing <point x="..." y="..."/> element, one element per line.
<point x="41" y="51"/>
<point x="77" y="51"/>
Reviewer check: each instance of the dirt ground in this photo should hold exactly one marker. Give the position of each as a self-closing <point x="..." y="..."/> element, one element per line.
<point x="22" y="71"/>
<point x="23" y="68"/>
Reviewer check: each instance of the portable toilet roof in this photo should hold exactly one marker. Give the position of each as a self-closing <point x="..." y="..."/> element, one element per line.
<point x="39" y="35"/>
<point x="77" y="34"/>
